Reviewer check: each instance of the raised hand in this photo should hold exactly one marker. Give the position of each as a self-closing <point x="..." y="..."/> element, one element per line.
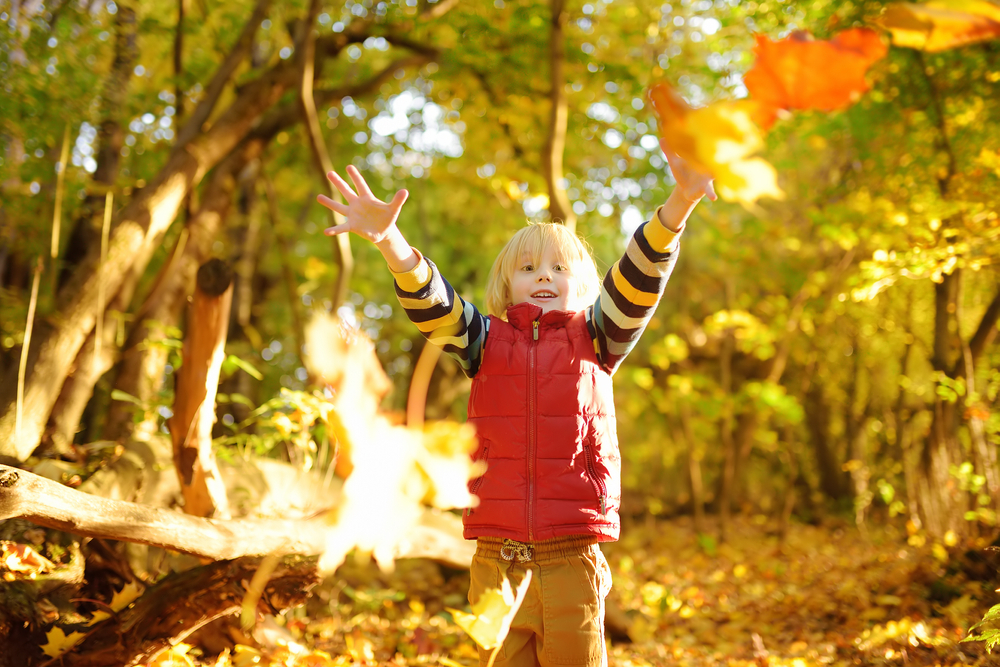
<point x="692" y="184"/>
<point x="367" y="216"/>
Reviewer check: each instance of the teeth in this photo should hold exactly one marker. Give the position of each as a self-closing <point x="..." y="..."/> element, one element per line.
<point x="543" y="294"/>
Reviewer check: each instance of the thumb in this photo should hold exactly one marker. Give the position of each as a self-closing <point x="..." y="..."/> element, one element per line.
<point x="337" y="229"/>
<point x="398" y="200"/>
<point x="710" y="190"/>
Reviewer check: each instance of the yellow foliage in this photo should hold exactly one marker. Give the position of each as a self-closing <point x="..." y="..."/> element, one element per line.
<point x="175" y="656"/>
<point x="942" y="24"/>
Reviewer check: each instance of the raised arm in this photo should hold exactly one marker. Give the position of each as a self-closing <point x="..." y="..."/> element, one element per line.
<point x="632" y="288"/>
<point x="431" y="303"/>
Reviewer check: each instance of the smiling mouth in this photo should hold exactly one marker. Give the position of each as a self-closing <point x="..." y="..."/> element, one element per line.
<point x="543" y="295"/>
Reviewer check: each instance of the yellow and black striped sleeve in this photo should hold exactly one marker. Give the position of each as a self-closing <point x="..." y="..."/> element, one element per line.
<point x="631" y="291"/>
<point x="442" y="316"/>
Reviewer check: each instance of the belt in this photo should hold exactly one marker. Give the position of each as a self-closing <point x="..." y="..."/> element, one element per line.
<point x="523" y="552"/>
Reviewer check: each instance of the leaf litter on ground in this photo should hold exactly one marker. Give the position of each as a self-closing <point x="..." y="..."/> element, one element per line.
<point x="825" y="596"/>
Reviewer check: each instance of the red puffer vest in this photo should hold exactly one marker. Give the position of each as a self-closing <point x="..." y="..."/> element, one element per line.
<point x="544" y="414"/>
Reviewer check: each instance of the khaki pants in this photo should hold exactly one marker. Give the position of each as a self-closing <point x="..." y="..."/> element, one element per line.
<point x="561" y="621"/>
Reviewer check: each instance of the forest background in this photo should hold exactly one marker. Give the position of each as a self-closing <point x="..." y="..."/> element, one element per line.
<point x="826" y="355"/>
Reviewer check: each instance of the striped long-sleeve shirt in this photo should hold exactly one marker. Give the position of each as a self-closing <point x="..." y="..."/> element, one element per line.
<point x="628" y="297"/>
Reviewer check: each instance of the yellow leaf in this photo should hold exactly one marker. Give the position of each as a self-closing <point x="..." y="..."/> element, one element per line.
<point x="58" y="642"/>
<point x="941" y="25"/>
<point x="175" y="656"/>
<point x="126" y="596"/>
<point x="489" y="622"/>
<point x="719" y="139"/>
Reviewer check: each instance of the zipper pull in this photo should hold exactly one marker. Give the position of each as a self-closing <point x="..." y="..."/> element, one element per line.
<point x="534" y="330"/>
<point x="604" y="506"/>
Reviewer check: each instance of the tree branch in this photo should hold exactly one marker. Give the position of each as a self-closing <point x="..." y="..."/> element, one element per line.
<point x="47" y="503"/>
<point x="986" y="331"/>
<point x="222" y="76"/>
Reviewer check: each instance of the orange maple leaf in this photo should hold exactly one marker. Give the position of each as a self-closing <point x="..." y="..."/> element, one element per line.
<point x="941" y="25"/>
<point x="802" y="73"/>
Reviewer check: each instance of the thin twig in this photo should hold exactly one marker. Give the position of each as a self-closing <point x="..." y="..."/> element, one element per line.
<point x="23" y="365"/>
<point x="60" y="181"/>
<point x="321" y="157"/>
<point x="99" y="320"/>
<point x="416" y="400"/>
<point x="248" y="614"/>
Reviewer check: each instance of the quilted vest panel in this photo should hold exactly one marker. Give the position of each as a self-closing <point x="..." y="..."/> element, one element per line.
<point x="544" y="414"/>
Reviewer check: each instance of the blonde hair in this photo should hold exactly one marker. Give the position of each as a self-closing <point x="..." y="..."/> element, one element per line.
<point x="533" y="241"/>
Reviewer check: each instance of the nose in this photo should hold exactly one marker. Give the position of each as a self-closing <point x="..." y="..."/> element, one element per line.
<point x="544" y="275"/>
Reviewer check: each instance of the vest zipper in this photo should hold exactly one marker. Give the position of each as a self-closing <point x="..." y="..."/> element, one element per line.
<point x="532" y="430"/>
<point x="602" y="496"/>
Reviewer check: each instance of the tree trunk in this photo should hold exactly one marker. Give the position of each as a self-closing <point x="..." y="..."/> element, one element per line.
<point x="144" y="358"/>
<point x="942" y="503"/>
<point x="833" y="481"/>
<point x="555" y="145"/>
<point x="86" y="229"/>
<point x="90" y="365"/>
<point x="194" y="395"/>
<point x="729" y="452"/>
<point x="695" y="455"/>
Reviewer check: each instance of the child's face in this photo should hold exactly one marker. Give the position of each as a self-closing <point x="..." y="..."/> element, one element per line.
<point x="547" y="282"/>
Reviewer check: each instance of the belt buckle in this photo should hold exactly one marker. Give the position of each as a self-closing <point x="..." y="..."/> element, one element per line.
<point x="512" y="549"/>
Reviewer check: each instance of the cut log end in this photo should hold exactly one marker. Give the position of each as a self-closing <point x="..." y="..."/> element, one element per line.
<point x="8" y="478"/>
<point x="214" y="277"/>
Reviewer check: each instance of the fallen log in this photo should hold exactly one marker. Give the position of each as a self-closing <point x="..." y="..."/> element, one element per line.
<point x="182" y="603"/>
<point x="53" y="505"/>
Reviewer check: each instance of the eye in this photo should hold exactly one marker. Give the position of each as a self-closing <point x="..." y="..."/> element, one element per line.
<point x="559" y="267"/>
<point x="528" y="267"/>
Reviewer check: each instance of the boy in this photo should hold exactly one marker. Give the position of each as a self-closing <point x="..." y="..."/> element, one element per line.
<point x="541" y="402"/>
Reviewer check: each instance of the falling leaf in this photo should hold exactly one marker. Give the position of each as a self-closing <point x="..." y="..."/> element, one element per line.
<point x="491" y="616"/>
<point x="941" y="25"/>
<point x="58" y="642"/>
<point x="395" y="471"/>
<point x="799" y="72"/>
<point x="719" y="139"/>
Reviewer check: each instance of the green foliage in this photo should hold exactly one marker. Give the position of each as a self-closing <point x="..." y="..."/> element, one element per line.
<point x="990" y="635"/>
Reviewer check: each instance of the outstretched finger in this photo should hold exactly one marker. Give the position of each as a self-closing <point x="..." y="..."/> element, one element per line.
<point x="341" y="185"/>
<point x="337" y="229"/>
<point x="359" y="181"/>
<point x="333" y="204"/>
